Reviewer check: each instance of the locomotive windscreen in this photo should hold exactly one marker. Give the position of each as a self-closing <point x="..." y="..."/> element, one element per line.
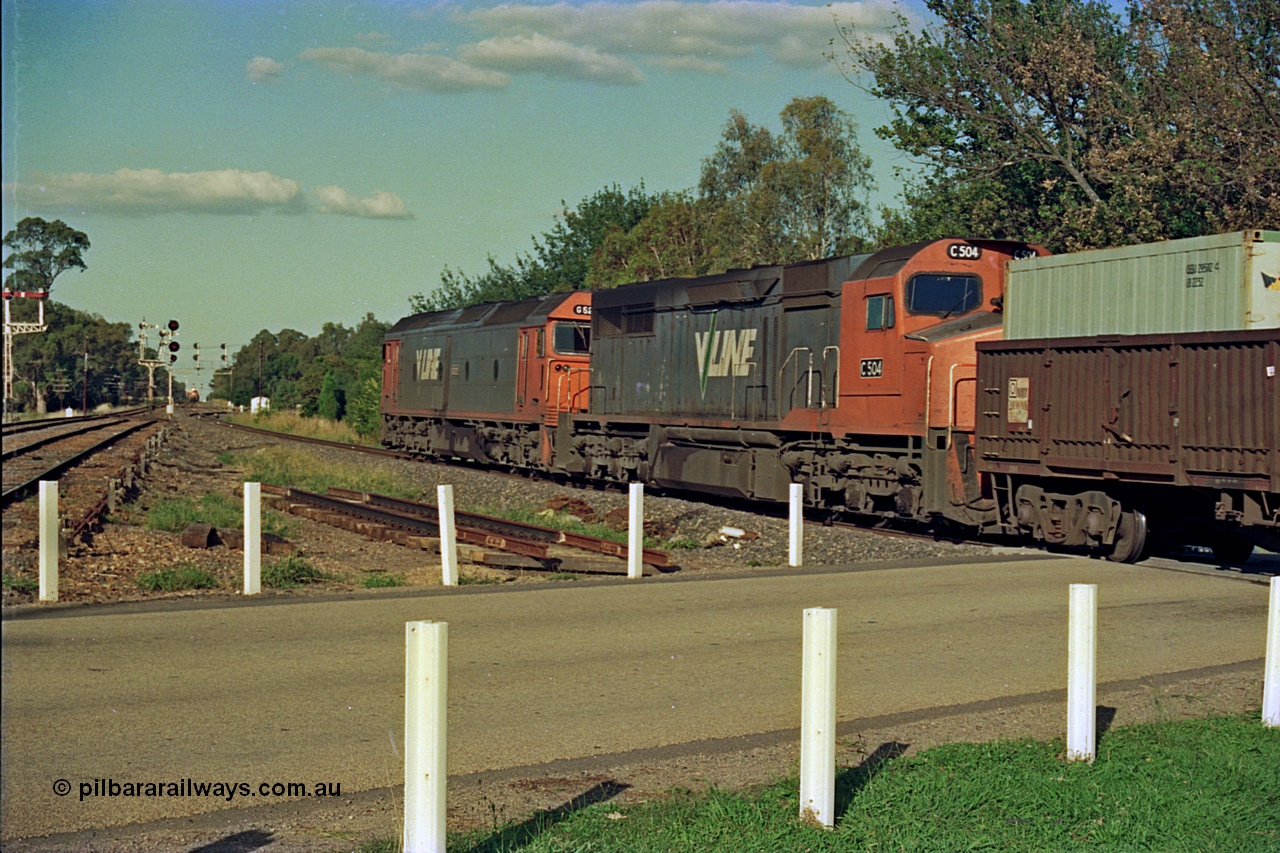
<point x="946" y="295"/>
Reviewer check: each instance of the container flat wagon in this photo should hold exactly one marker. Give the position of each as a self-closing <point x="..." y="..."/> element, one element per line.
<point x="1123" y="441"/>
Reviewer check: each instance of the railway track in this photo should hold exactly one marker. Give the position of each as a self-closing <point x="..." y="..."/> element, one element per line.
<point x="46" y="454"/>
<point x="21" y="427"/>
<point x="1259" y="569"/>
<point x="387" y="517"/>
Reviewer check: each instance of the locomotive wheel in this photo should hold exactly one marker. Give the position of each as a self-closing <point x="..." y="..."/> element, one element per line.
<point x="1131" y="538"/>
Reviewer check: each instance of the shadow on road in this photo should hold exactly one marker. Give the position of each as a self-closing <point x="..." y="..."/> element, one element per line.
<point x="515" y="837"/>
<point x="1104" y="717"/>
<point x="241" y="842"/>
<point x="852" y="780"/>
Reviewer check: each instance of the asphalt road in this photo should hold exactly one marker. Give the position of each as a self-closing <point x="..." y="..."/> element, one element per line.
<point x="312" y="690"/>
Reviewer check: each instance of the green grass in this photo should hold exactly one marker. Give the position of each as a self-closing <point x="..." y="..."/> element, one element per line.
<point x="291" y="572"/>
<point x="179" y="577"/>
<point x="1176" y="787"/>
<point x="174" y="514"/>
<point x="288" y="466"/>
<point x="380" y="581"/>
<point x="17" y="583"/>
<point x="292" y="423"/>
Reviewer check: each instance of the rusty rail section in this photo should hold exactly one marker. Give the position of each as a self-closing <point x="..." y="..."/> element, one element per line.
<point x="472" y="529"/>
<point x="510" y="528"/>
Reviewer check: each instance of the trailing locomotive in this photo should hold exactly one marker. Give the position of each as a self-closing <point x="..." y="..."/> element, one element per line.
<point x="857" y="377"/>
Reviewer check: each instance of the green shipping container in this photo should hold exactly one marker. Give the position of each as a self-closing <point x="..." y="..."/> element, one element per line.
<point x="1224" y="282"/>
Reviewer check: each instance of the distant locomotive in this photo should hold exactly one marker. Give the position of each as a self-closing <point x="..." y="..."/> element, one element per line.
<point x="857" y="377"/>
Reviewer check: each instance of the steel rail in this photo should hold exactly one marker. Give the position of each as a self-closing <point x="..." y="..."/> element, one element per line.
<point x="422" y="525"/>
<point x="55" y="471"/>
<point x="50" y="439"/>
<point x="46" y="423"/>
<point x="358" y="448"/>
<point x="505" y="527"/>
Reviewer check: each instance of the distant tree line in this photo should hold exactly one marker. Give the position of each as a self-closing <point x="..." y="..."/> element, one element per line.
<point x="337" y="374"/>
<point x="81" y="359"/>
<point x="1059" y="122"/>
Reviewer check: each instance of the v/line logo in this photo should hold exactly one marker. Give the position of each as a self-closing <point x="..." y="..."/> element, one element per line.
<point x="426" y="364"/>
<point x="724" y="353"/>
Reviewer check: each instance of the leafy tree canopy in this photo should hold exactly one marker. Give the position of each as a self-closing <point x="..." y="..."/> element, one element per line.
<point x="560" y="260"/>
<point x="320" y="375"/>
<point x="1060" y="122"/>
<point x="41" y="252"/>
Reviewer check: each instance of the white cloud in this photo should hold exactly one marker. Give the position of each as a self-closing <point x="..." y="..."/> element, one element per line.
<point x="140" y="191"/>
<point x="380" y="205"/>
<point x="225" y="191"/>
<point x="592" y="41"/>
<point x="790" y="33"/>
<point x="263" y="69"/>
<point x="535" y="53"/>
<point x="417" y="71"/>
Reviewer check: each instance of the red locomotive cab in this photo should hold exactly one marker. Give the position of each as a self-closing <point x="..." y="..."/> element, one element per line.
<point x="911" y="318"/>
<point x="554" y="362"/>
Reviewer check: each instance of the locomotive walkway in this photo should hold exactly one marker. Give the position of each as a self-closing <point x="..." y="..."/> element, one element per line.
<point x="312" y="690"/>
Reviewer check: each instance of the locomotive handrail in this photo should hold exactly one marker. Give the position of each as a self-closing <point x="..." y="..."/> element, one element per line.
<point x="733" y="392"/>
<point x="951" y="395"/>
<point x="808" y="403"/>
<point x="571" y="396"/>
<point x="835" y="373"/>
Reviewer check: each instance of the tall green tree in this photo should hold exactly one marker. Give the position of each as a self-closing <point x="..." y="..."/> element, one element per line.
<point x="1060" y="122"/>
<point x="676" y="238"/>
<point x="42" y="251"/>
<point x="763" y="197"/>
<point x="798" y="195"/>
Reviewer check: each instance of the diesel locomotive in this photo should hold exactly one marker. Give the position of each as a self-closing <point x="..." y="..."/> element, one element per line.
<point x="857" y="377"/>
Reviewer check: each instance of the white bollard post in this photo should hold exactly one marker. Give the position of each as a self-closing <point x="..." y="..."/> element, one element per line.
<point x="797" y="526"/>
<point x="426" y="715"/>
<point x="252" y="538"/>
<point x="1082" y="664"/>
<point x="818" y="718"/>
<point x="635" y="532"/>
<point x="49" y="540"/>
<point x="1271" y="677"/>
<point x="448" y="536"/>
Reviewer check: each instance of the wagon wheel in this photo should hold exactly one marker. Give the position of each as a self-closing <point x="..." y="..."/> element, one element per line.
<point x="1131" y="538"/>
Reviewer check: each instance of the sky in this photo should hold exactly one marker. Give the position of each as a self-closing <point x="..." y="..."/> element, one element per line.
<point x="241" y="165"/>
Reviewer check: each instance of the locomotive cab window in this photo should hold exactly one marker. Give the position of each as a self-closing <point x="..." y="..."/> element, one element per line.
<point x="943" y="295"/>
<point x="880" y="312"/>
<point x="571" y="338"/>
